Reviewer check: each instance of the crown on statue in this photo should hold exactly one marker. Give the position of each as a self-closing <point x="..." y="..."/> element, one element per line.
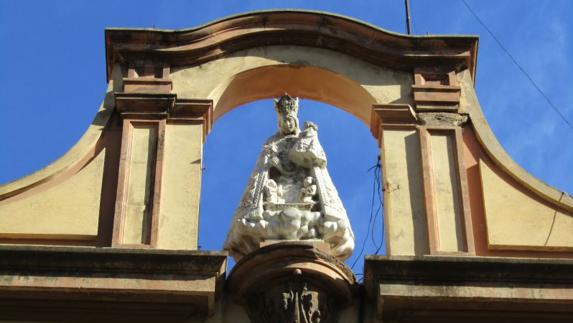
<point x="286" y="105"/>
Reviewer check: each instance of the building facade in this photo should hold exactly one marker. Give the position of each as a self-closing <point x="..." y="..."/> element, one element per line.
<point x="109" y="231"/>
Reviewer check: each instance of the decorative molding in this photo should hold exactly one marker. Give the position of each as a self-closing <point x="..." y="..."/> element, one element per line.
<point x="294" y="301"/>
<point x="150" y="217"/>
<point x="431" y="192"/>
<point x="442" y="119"/>
<point x="436" y="89"/>
<point x="448" y="286"/>
<point x="165" y="106"/>
<point x="147" y="77"/>
<point x="389" y="115"/>
<point x="143" y="85"/>
<point x="294" y="282"/>
<point x="193" y="110"/>
<point x="144" y="105"/>
<point x="139" y="284"/>
<point x="221" y="38"/>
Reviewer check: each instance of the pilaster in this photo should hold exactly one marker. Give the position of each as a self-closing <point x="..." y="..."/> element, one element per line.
<point x="395" y="127"/>
<point x="157" y="201"/>
<point x="426" y="202"/>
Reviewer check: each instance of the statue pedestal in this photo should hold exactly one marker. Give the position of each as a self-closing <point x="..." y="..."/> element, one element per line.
<point x="291" y="281"/>
<point x="319" y="245"/>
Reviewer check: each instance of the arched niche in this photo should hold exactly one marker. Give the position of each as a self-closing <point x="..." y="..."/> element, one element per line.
<point x="232" y="148"/>
<point x="335" y="78"/>
<point x="449" y="186"/>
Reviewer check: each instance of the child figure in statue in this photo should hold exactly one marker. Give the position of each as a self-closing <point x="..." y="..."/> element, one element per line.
<point x="290" y="195"/>
<point x="308" y="190"/>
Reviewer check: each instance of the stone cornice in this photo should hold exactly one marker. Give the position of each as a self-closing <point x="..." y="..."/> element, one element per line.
<point x="133" y="278"/>
<point x="39" y="259"/>
<point x="391" y="115"/>
<point x="442" y="284"/>
<point x="468" y="270"/>
<point x="194" y="46"/>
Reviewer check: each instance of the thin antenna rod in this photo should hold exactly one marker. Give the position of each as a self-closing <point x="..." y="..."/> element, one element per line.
<point x="408" y="27"/>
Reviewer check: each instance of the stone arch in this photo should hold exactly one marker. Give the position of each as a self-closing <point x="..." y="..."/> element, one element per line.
<point x="450" y="187"/>
<point x="305" y="82"/>
<point x="305" y="72"/>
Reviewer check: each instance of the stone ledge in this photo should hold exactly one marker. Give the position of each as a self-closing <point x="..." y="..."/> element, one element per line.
<point x="515" y="288"/>
<point x="53" y="282"/>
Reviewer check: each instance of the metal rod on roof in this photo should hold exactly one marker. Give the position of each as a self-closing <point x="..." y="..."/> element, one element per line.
<point x="408" y="27"/>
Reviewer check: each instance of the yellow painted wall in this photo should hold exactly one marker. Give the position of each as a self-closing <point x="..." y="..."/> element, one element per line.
<point x="404" y="197"/>
<point x="181" y="187"/>
<point x="515" y="220"/>
<point x="67" y="210"/>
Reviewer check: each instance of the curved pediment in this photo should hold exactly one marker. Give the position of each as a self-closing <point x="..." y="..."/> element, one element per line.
<point x="217" y="39"/>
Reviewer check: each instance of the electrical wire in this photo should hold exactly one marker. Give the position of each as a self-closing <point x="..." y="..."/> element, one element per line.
<point x="376" y="192"/>
<point x="553" y="106"/>
<point x="380" y="205"/>
<point x="369" y="221"/>
<point x="376" y="188"/>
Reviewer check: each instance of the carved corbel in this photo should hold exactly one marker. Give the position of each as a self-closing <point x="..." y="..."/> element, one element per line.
<point x="294" y="283"/>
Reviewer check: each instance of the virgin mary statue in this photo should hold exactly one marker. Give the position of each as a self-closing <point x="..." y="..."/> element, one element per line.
<point x="290" y="195"/>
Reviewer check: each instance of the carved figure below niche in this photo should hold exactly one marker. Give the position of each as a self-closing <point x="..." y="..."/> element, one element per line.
<point x="290" y="195"/>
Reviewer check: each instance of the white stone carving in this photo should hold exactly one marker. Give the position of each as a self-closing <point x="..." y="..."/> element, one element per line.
<point x="290" y="195"/>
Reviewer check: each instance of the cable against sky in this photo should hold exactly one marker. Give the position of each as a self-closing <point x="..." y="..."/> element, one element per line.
<point x="490" y="32"/>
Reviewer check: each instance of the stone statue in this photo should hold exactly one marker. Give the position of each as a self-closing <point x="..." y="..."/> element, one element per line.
<point x="290" y="195"/>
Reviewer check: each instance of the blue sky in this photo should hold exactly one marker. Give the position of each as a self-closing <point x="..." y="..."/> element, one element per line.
<point x="53" y="80"/>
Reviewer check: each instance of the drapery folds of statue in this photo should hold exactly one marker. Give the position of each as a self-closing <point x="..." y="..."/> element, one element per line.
<point x="290" y="195"/>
